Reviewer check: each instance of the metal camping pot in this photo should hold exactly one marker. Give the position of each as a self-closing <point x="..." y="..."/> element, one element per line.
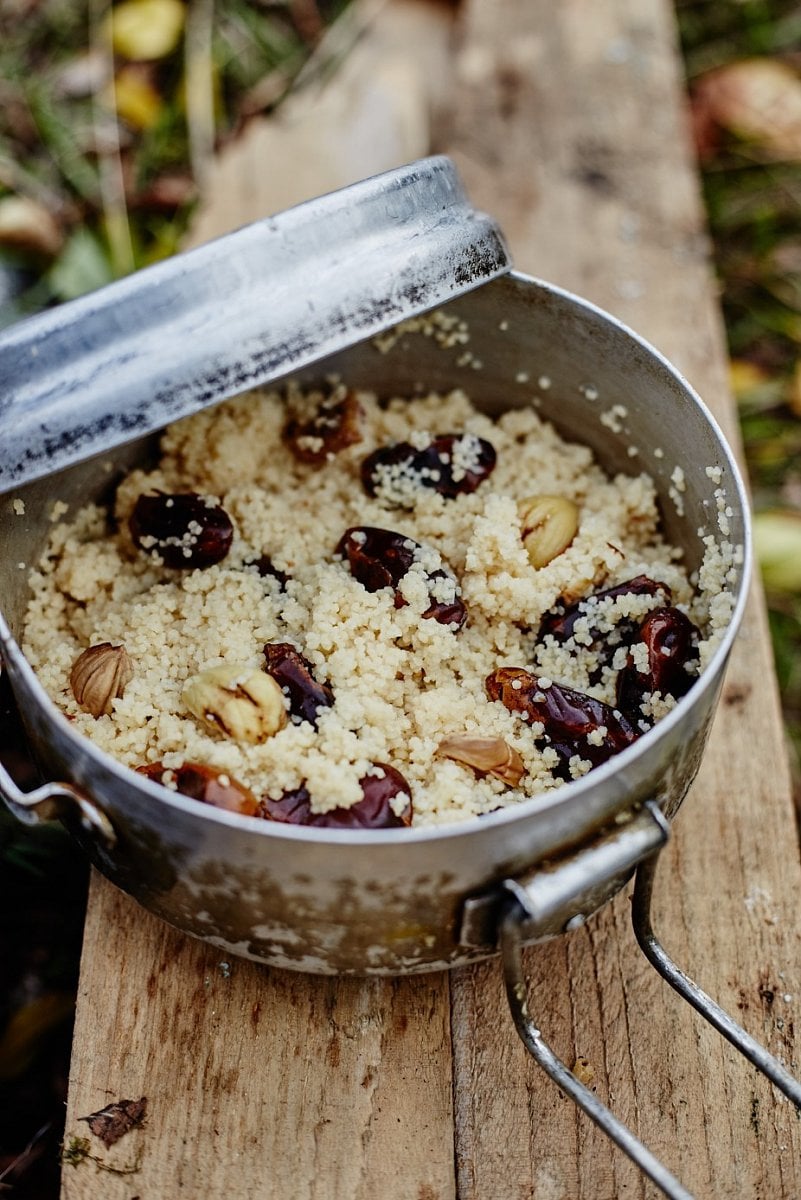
<point x="394" y="901"/>
<point x="300" y="296"/>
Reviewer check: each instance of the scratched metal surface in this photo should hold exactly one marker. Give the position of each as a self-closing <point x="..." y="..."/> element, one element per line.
<point x="238" y="312"/>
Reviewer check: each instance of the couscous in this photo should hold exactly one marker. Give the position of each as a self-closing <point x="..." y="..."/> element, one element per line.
<point x="318" y="608"/>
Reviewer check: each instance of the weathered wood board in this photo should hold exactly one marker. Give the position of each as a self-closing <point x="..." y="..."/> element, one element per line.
<point x="567" y="123"/>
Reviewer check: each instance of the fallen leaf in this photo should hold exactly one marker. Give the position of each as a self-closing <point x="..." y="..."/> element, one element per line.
<point x="758" y="99"/>
<point x="115" y="1120"/>
<point x="166" y="193"/>
<point x="26" y="224"/>
<point x="745" y="376"/>
<point x="144" y="30"/>
<point x="135" y="98"/>
<point x="777" y="540"/>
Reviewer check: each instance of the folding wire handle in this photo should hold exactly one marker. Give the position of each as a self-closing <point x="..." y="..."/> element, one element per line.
<point x="528" y="909"/>
<point x="54" y="801"/>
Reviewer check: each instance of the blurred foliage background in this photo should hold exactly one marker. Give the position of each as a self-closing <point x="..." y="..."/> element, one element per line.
<point x="743" y="62"/>
<point x="108" y="121"/>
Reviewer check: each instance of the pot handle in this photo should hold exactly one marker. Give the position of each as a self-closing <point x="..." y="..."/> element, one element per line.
<point x="557" y="897"/>
<point x="55" y="801"/>
<point x="528" y="909"/>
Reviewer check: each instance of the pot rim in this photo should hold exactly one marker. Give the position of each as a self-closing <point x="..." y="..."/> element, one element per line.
<point x="568" y="794"/>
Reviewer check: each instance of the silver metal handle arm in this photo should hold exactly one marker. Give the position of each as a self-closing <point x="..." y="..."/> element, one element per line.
<point x="55" y="801"/>
<point x="693" y="994"/>
<point x="531" y="906"/>
<point x="559" y="896"/>
<point x="511" y="943"/>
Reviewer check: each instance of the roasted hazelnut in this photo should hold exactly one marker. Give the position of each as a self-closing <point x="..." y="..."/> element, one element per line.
<point x="549" y="525"/>
<point x="484" y="755"/>
<point x="373" y="811"/>
<point x="184" y="529"/>
<point x="380" y="558"/>
<point x="240" y="701"/>
<point x="452" y="464"/>
<point x="206" y="784"/>
<point x="99" y="676"/>
<point x="336" y="425"/>
<point x="293" y="674"/>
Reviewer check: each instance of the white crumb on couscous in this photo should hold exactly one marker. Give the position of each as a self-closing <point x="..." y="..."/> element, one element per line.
<point x="401" y="683"/>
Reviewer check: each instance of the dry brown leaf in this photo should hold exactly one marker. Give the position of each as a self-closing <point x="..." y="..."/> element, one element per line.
<point x="27" y="225"/>
<point x="111" y="1123"/>
<point x="758" y="99"/>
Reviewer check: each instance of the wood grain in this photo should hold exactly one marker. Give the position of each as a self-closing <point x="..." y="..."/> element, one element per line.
<point x="259" y="1083"/>
<point x="568" y="125"/>
<point x="265" y="1085"/>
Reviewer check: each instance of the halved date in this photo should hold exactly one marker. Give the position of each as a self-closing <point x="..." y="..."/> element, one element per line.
<point x="373" y="811"/>
<point x="184" y="529"/>
<point x="380" y="558"/>
<point x="452" y="464"/>
<point x="293" y="674"/>
<point x="266" y="568"/>
<point x="671" y="641"/>
<point x="569" y="717"/>
<point x="560" y="625"/>
<point x="336" y="425"/>
<point x="205" y="784"/>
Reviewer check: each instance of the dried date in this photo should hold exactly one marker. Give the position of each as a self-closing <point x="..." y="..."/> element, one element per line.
<point x="561" y="625"/>
<point x="568" y="717"/>
<point x="336" y="425"/>
<point x="373" y="811"/>
<point x="266" y="568"/>
<point x="380" y="558"/>
<point x="452" y="464"/>
<point x="184" y="529"/>
<point x="293" y="674"/>
<point x="671" y="641"/>
<point x="205" y="784"/>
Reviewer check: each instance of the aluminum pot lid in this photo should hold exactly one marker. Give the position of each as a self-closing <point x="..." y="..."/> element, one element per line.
<point x="237" y="312"/>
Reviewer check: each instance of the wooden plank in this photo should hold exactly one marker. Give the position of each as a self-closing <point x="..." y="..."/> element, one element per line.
<point x="261" y="1083"/>
<point x="568" y="126"/>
